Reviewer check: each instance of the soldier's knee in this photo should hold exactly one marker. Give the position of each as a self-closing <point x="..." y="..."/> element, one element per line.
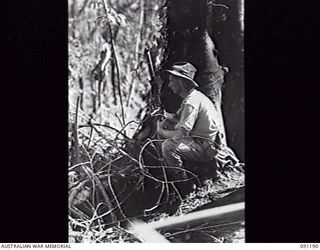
<point x="168" y="146"/>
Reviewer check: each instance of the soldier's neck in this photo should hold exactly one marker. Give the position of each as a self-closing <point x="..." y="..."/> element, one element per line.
<point x="185" y="92"/>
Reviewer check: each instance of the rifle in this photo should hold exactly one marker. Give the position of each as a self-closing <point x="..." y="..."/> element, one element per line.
<point x="155" y="109"/>
<point x="155" y="86"/>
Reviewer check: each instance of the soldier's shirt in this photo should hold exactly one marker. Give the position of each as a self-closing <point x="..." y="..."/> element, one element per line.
<point x="198" y="115"/>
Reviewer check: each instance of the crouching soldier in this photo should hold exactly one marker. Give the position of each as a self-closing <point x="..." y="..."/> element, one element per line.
<point x="195" y="135"/>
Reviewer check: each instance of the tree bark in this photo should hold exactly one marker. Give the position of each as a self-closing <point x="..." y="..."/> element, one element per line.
<point x="225" y="25"/>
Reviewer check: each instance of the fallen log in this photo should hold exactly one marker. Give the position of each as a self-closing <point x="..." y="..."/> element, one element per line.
<point x="234" y="197"/>
<point x="147" y="232"/>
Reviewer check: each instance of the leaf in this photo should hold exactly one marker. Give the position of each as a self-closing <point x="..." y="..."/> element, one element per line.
<point x="122" y="20"/>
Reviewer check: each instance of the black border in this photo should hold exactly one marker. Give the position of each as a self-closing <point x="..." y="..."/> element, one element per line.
<point x="281" y="122"/>
<point x="34" y="181"/>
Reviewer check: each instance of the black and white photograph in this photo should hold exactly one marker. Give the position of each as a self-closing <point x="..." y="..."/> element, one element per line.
<point x="160" y="121"/>
<point x="156" y="121"/>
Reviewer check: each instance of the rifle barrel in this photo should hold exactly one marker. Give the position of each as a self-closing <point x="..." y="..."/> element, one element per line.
<point x="150" y="64"/>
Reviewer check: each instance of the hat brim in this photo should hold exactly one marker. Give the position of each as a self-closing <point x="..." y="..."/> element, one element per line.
<point x="183" y="76"/>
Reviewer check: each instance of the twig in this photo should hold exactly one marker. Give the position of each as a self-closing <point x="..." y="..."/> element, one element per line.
<point x="91" y="173"/>
<point x="105" y="195"/>
<point x="177" y="191"/>
<point x="159" y="200"/>
<point x="189" y="230"/>
<point x="96" y="142"/>
<point x="211" y="236"/>
<point x="95" y="216"/>
<point x="115" y="60"/>
<point x="77" y="165"/>
<point x="83" y="7"/>
<point x="92" y="179"/>
<point x="130" y="90"/>
<point x="92" y="176"/>
<point x="113" y="82"/>
<point x="158" y="180"/>
<point x="119" y="119"/>
<point x="103" y="175"/>
<point x="75" y="191"/>
<point x="114" y="194"/>
<point x="76" y="139"/>
<point x="142" y="149"/>
<point x="91" y="220"/>
<point x="120" y="132"/>
<point x="118" y="74"/>
<point x="109" y="163"/>
<point x="165" y="179"/>
<point x="181" y="169"/>
<point x="139" y="35"/>
<point x="78" y="212"/>
<point x="76" y="222"/>
<point x="106" y="126"/>
<point x="141" y="21"/>
<point x="224" y="224"/>
<point x="161" y="140"/>
<point x="163" y="169"/>
<point x="90" y="138"/>
<point x="201" y="227"/>
<point x="219" y="5"/>
<point x="113" y="209"/>
<point x="120" y="149"/>
<point x="211" y="214"/>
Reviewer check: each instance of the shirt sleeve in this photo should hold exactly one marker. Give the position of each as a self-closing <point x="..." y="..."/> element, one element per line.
<point x="188" y="116"/>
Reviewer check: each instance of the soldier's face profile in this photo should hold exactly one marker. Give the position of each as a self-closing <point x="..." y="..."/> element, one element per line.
<point x="174" y="84"/>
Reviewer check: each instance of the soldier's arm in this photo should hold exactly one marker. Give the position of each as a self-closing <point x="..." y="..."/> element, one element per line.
<point x="183" y="126"/>
<point x="167" y="134"/>
<point x="172" y="117"/>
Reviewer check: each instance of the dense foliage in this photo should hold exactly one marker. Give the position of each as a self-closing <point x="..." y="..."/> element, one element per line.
<point x="100" y="78"/>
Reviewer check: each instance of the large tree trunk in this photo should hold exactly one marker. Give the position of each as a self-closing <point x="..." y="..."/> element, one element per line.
<point x="225" y="25"/>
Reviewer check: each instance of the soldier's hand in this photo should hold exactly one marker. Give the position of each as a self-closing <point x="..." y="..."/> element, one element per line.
<point x="168" y="115"/>
<point x="160" y="124"/>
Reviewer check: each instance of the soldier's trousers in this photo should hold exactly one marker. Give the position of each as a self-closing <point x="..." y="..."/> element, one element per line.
<point x="175" y="151"/>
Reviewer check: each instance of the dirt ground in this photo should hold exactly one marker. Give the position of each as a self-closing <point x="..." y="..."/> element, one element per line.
<point x="227" y="232"/>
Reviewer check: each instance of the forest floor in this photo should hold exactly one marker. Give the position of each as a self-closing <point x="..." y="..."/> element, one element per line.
<point x="231" y="231"/>
<point x="228" y="232"/>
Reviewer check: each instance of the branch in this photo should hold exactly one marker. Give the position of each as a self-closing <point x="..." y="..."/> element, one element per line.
<point x="83" y="7"/>
<point x="120" y="149"/>
<point x="114" y="194"/>
<point x="137" y="51"/>
<point x="177" y="191"/>
<point x="104" y="194"/>
<point x="115" y="60"/>
<point x="219" y="5"/>
<point x="76" y="138"/>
